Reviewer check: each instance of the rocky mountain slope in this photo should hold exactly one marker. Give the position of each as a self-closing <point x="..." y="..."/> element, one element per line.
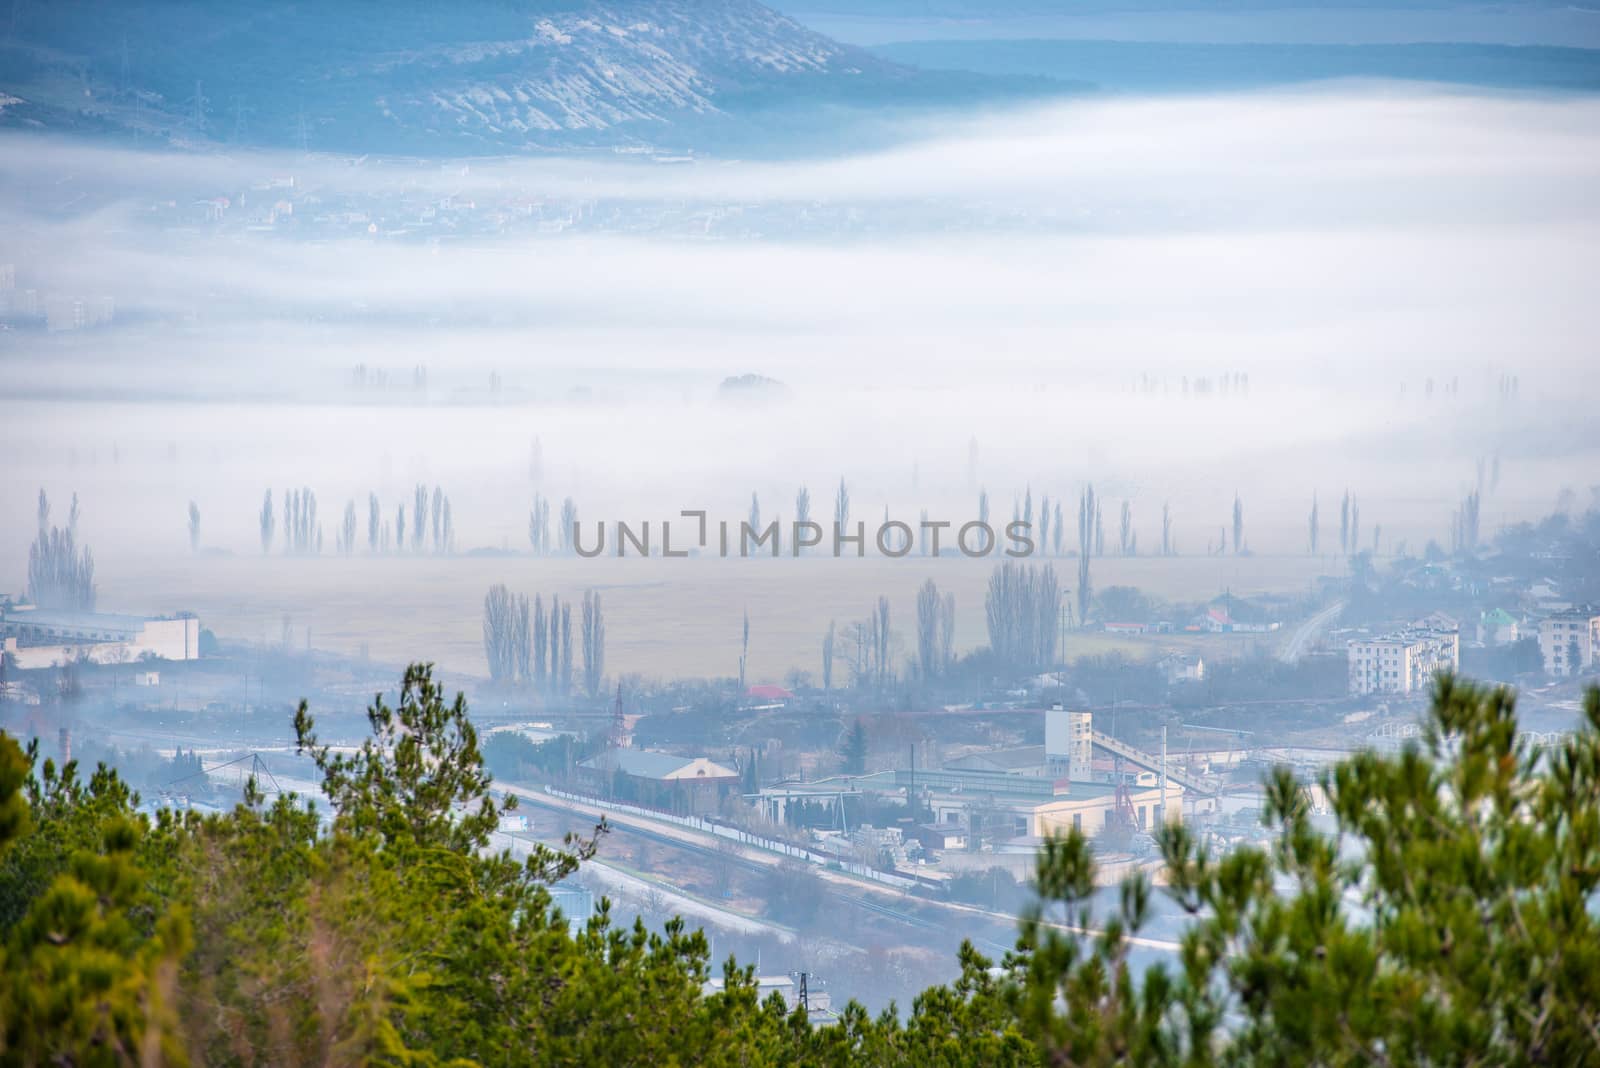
<point x="416" y="75"/>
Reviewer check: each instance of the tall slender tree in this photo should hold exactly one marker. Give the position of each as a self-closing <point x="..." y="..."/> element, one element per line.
<point x="347" y="530"/>
<point x="594" y="644"/>
<point x="1087" y="511"/>
<point x="827" y="657"/>
<point x="499" y="634"/>
<point x="522" y="641"/>
<point x="437" y="515"/>
<point x="569" y="525"/>
<point x="269" y="519"/>
<point x="419" y="518"/>
<point x="566" y="649"/>
<point x="539" y="638"/>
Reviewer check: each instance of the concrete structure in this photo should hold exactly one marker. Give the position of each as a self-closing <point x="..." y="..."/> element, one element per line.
<point x="42" y="638"/>
<point x="575" y="902"/>
<point x="1402" y="663"/>
<point x="1182" y="667"/>
<point x="1567" y="641"/>
<point x="1069" y="744"/>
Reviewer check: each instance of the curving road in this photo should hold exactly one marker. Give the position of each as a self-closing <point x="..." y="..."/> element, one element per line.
<point x="1307" y="632"/>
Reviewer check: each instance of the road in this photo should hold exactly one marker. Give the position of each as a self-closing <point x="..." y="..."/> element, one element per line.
<point x="861" y="891"/>
<point x="1307" y="632"/>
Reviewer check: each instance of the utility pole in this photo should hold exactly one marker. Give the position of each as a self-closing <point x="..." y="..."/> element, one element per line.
<point x="805" y="996"/>
<point x="1164" y="773"/>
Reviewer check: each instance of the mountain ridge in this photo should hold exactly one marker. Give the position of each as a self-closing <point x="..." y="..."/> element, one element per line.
<point x="524" y="75"/>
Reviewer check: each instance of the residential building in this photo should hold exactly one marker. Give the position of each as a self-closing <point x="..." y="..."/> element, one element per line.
<point x="1498" y="627"/>
<point x="1403" y="662"/>
<point x="688" y="785"/>
<point x="1182" y="667"/>
<point x="1567" y="640"/>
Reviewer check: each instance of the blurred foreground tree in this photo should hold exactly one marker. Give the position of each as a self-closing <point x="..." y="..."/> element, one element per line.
<point x="1444" y="916"/>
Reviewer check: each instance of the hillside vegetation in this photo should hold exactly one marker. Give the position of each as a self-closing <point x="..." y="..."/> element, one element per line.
<point x="1449" y="921"/>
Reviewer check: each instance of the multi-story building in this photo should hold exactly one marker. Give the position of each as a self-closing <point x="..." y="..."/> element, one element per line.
<point x="1403" y="662"/>
<point x="1568" y="640"/>
<point x="1069" y="744"/>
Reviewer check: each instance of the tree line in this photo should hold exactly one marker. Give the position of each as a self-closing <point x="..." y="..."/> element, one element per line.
<point x="60" y="571"/>
<point x="431" y="524"/>
<point x="531" y="646"/>
<point x="1446" y="919"/>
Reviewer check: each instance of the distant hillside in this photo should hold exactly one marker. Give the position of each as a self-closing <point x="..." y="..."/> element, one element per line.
<point x="429" y="76"/>
<point x="1160" y="67"/>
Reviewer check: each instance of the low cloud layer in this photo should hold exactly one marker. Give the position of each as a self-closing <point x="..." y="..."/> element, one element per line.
<point x="1011" y="279"/>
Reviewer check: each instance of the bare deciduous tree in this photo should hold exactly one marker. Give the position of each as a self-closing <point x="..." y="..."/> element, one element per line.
<point x="522" y="641"/>
<point x="827" y="657"/>
<point x="539" y="638"/>
<point x="566" y="649"/>
<point x="269" y="520"/>
<point x="500" y="634"/>
<point x="1087" y="511"/>
<point x="569" y="525"/>
<point x="594" y="644"/>
<point x="1023" y="610"/>
<point x="438" y="519"/>
<point x="60" y="573"/>
<point x="347" y="529"/>
<point x="935" y="630"/>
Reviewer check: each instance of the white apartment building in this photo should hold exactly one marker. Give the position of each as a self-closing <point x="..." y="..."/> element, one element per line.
<point x="1404" y="662"/>
<point x="1568" y="640"/>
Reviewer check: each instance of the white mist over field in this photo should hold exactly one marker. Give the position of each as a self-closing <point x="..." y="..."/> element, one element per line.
<point x="1047" y="283"/>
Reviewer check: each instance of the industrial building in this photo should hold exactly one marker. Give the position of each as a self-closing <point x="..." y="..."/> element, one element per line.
<point x="42" y="638"/>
